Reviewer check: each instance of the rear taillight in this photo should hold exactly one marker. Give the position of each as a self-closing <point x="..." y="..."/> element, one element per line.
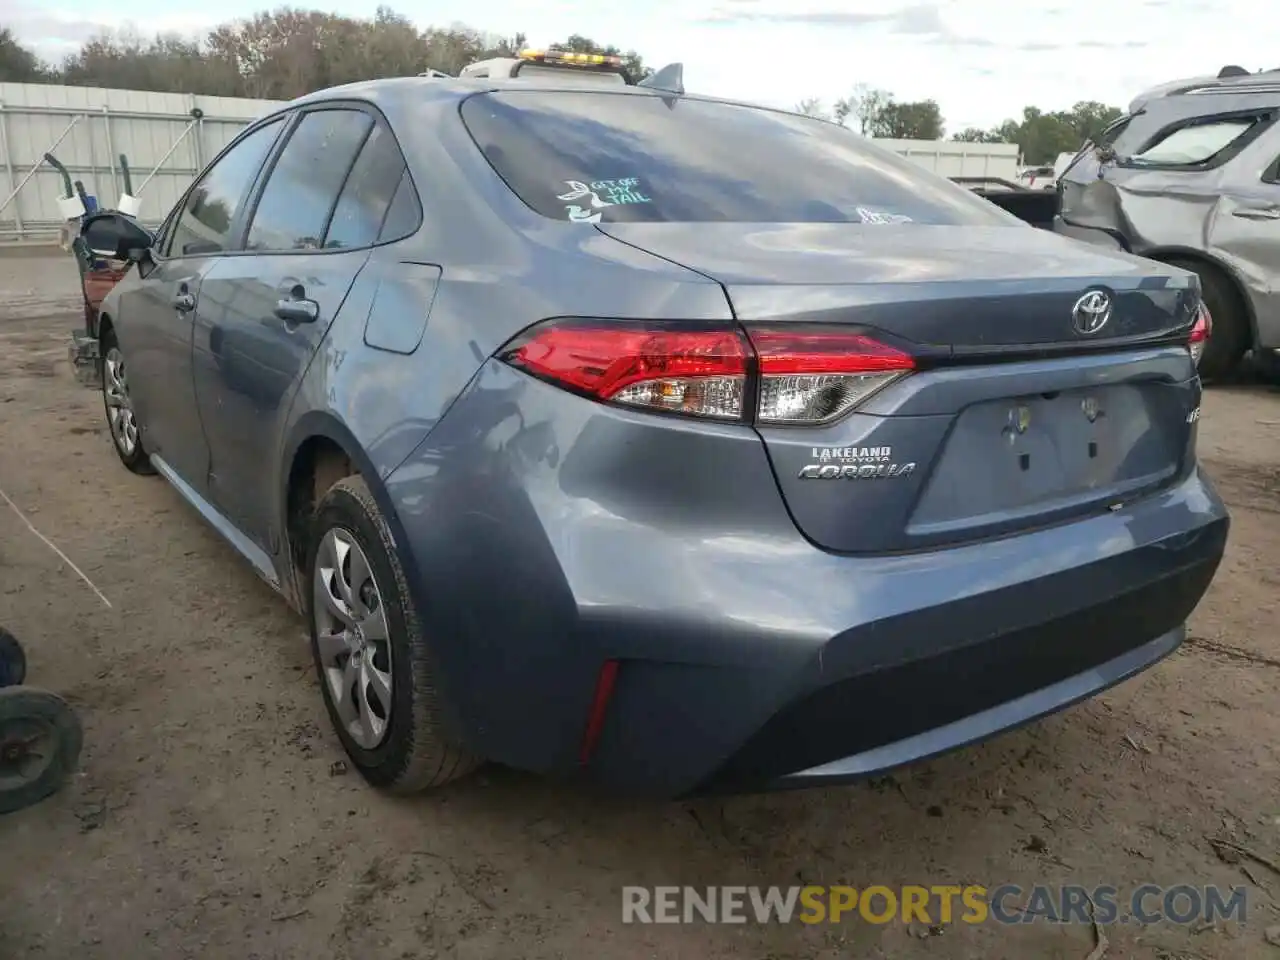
<point x="819" y="376"/>
<point x="797" y="376"/>
<point x="1200" y="333"/>
<point x="702" y="373"/>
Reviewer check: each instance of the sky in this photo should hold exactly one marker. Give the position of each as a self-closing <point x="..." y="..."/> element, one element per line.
<point x="982" y="60"/>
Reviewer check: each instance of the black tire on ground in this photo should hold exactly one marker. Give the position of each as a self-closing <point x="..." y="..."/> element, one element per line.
<point x="415" y="753"/>
<point x="1231" y="334"/>
<point x="26" y="713"/>
<point x="137" y="460"/>
<point x="13" y="662"/>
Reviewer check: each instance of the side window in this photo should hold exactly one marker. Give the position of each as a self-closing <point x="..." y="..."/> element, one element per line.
<point x="1272" y="173"/>
<point x="1197" y="142"/>
<point x="303" y="187"/>
<point x="204" y="225"/>
<point x="405" y="215"/>
<point x="368" y="194"/>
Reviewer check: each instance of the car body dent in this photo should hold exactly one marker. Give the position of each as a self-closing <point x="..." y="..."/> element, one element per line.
<point x="1162" y="213"/>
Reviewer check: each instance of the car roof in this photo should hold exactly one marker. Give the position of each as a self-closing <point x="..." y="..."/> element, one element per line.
<point x="1214" y="94"/>
<point x="398" y="93"/>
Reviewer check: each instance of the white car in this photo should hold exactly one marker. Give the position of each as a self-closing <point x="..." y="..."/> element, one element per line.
<point x="1038" y="178"/>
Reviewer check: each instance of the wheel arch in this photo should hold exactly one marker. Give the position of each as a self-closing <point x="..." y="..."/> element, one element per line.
<point x="314" y="441"/>
<point x="1166" y="253"/>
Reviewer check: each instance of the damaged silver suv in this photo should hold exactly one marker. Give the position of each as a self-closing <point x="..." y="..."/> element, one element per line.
<point x="1191" y="177"/>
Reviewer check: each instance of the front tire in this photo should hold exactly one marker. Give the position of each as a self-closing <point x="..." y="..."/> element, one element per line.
<point x="373" y="661"/>
<point x="122" y="421"/>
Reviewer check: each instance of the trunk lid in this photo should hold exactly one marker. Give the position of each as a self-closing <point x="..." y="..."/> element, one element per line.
<point x="1015" y="418"/>
<point x="968" y="290"/>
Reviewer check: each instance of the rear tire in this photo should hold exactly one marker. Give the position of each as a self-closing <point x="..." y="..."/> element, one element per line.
<point x="378" y="680"/>
<point x="1230" y="337"/>
<point x="40" y="741"/>
<point x="122" y="422"/>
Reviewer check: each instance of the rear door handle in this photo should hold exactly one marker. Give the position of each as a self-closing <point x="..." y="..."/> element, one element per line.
<point x="1257" y="213"/>
<point x="183" y="302"/>
<point x="297" y="311"/>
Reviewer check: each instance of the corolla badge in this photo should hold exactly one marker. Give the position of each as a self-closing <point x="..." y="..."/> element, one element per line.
<point x="1091" y="312"/>
<point x="854" y="463"/>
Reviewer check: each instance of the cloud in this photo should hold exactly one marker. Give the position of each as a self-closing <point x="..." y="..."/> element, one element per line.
<point x="982" y="60"/>
<point x="52" y="32"/>
<point x="918" y="19"/>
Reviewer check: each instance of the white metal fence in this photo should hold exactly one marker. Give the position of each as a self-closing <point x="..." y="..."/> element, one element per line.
<point x="167" y="139"/>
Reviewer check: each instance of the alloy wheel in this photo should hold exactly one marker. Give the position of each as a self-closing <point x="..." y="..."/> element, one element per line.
<point x="352" y="638"/>
<point x="120" y="416"/>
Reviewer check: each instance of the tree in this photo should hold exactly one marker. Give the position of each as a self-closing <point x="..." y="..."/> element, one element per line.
<point x="281" y="54"/>
<point x="864" y="106"/>
<point x="1042" y="136"/>
<point x="17" y="63"/>
<point x="920" y="120"/>
<point x="811" y="107"/>
<point x="974" y="135"/>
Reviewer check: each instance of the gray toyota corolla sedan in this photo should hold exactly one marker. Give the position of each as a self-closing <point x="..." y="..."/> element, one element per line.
<point x="672" y="444"/>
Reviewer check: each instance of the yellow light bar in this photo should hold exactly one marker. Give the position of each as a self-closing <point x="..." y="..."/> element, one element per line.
<point x="570" y="58"/>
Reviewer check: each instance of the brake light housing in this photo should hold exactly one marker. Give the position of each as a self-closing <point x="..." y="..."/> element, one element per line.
<point x="1200" y="333"/>
<point x="817" y="376"/>
<point x="769" y="375"/>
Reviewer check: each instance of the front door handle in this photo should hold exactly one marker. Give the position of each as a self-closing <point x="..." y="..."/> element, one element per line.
<point x="1257" y="213"/>
<point x="297" y="311"/>
<point x="183" y="302"/>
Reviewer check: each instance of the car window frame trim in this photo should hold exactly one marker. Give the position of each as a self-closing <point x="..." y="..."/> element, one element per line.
<point x="269" y="168"/>
<point x="248" y="131"/>
<point x="361" y="106"/>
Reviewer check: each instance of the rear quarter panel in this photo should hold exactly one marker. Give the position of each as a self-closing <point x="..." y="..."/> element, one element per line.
<point x="501" y="267"/>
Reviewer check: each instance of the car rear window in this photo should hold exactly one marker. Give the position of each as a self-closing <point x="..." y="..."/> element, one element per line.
<point x="598" y="156"/>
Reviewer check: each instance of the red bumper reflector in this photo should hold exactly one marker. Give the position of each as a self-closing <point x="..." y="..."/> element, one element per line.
<point x="599" y="706"/>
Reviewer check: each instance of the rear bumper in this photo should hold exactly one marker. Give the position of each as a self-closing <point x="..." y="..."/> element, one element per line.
<point x="544" y="540"/>
<point x="949" y="694"/>
<point x="971" y="727"/>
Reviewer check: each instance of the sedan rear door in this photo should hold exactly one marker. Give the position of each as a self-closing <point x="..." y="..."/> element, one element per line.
<point x="265" y="310"/>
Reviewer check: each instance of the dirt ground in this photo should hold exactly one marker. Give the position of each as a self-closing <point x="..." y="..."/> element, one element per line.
<point x="208" y="819"/>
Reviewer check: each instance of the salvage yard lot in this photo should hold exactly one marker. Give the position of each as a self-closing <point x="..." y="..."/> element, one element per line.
<point x="213" y="816"/>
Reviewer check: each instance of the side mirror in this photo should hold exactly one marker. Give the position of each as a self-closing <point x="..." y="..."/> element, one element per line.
<point x="116" y="236"/>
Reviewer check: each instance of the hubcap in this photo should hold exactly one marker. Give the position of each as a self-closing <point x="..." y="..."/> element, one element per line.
<point x="26" y="751"/>
<point x="351" y="635"/>
<point x="115" y="388"/>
